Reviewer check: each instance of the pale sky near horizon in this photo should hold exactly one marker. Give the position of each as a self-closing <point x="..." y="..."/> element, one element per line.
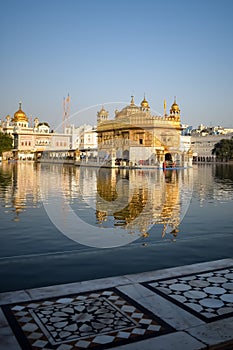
<point x="105" y="51"/>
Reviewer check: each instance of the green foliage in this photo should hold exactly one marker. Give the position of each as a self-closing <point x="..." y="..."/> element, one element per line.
<point x="6" y="142"/>
<point x="224" y="149"/>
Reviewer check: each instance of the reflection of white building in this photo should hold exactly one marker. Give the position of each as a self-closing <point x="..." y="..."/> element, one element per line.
<point x="23" y="184"/>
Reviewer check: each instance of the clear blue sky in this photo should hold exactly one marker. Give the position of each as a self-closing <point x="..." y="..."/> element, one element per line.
<point x="100" y="51"/>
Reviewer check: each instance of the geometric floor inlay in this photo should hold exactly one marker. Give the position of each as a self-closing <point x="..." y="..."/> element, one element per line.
<point x="95" y="320"/>
<point x="208" y="295"/>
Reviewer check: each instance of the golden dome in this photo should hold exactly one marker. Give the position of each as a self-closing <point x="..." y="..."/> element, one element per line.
<point x="20" y="116"/>
<point x="175" y="107"/>
<point x="103" y="112"/>
<point x="144" y="103"/>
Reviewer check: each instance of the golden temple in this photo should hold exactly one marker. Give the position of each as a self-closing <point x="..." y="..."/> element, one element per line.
<point x="137" y="137"/>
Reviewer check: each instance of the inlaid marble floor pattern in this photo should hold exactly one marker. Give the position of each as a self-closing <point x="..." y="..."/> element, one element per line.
<point x="92" y="320"/>
<point x="115" y="316"/>
<point x="208" y="295"/>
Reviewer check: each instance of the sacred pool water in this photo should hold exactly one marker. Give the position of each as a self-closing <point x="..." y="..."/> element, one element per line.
<point x="64" y="223"/>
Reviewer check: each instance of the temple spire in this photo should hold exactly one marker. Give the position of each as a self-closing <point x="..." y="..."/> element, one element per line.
<point x="132" y="101"/>
<point x="165" y="107"/>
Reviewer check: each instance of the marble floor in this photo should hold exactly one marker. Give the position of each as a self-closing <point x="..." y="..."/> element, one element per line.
<point x="206" y="295"/>
<point x="187" y="307"/>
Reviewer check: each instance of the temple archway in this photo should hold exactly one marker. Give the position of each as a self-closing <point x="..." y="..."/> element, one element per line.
<point x="168" y="157"/>
<point x="126" y="155"/>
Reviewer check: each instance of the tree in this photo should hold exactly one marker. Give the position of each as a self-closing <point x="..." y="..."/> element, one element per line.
<point x="224" y="149"/>
<point x="6" y="142"/>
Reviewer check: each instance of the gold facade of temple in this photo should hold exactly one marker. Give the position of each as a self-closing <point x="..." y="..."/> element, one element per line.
<point x="138" y="137"/>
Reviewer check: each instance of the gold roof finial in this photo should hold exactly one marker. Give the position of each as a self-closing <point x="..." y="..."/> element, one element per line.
<point x="144" y="103"/>
<point x="132" y="101"/>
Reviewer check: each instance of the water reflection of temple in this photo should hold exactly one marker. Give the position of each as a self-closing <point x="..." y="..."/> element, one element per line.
<point x="25" y="185"/>
<point x="133" y="200"/>
<point x="22" y="187"/>
<point x="145" y="198"/>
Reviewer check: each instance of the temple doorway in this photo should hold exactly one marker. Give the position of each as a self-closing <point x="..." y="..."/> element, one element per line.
<point x="126" y="155"/>
<point x="168" y="157"/>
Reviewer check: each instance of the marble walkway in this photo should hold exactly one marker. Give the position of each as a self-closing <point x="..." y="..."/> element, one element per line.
<point x="188" y="307"/>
